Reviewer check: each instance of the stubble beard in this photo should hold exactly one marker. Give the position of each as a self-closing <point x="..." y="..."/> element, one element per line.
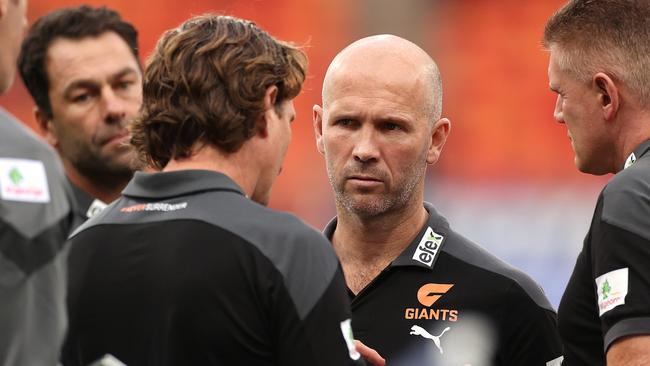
<point x="373" y="205"/>
<point x="105" y="171"/>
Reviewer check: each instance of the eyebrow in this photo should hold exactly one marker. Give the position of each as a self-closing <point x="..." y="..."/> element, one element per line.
<point x="90" y="83"/>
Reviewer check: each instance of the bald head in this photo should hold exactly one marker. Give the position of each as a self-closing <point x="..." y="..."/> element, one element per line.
<point x="387" y="61"/>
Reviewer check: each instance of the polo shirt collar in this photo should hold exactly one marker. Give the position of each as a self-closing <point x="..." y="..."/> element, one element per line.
<point x="640" y="151"/>
<point x="425" y="249"/>
<point x="178" y="183"/>
<point x="81" y="200"/>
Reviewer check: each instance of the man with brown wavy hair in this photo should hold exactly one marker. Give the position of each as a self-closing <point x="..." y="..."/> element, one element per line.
<point x="188" y="267"/>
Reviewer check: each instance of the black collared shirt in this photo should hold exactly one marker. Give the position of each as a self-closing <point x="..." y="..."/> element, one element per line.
<point x="447" y="301"/>
<point x="608" y="295"/>
<point x="183" y="269"/>
<point x="84" y="206"/>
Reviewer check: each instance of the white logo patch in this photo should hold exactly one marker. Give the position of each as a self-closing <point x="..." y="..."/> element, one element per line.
<point x="555" y="361"/>
<point x="428" y="248"/>
<point x="611" y="290"/>
<point x="346" y="329"/>
<point x="95" y="207"/>
<point x="23" y="180"/>
<point x="630" y="160"/>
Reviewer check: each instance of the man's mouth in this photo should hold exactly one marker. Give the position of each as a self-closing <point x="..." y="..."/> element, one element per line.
<point x="117" y="138"/>
<point x="364" y="180"/>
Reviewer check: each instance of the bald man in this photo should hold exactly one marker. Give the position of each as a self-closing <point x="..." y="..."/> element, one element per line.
<point x="421" y="293"/>
<point x="34" y="222"/>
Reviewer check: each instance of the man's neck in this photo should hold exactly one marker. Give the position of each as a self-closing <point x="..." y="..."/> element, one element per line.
<point x="634" y="130"/>
<point x="237" y="166"/>
<point x="365" y="246"/>
<point x="104" y="189"/>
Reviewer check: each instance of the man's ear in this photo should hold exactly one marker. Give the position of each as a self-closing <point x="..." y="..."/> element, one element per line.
<point x="608" y="95"/>
<point x="46" y="125"/>
<point x="318" y="127"/>
<point x="270" y="97"/>
<point x="439" y="133"/>
<point x="3" y="7"/>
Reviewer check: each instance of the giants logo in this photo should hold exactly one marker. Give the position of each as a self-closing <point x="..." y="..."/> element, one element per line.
<point x="427" y="296"/>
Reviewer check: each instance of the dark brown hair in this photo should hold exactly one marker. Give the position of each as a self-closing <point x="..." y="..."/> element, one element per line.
<point x="72" y="23"/>
<point x="611" y="36"/>
<point x="205" y="83"/>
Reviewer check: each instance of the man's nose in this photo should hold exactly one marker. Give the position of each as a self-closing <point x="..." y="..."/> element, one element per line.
<point x="114" y="106"/>
<point x="557" y="113"/>
<point x="366" y="147"/>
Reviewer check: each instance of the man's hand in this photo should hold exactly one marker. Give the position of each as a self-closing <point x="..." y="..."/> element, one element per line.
<point x="369" y="354"/>
<point x="627" y="351"/>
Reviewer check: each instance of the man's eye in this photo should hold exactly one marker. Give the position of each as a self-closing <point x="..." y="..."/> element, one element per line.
<point x="81" y="98"/>
<point x="344" y="122"/>
<point x="124" y="84"/>
<point x="391" y="126"/>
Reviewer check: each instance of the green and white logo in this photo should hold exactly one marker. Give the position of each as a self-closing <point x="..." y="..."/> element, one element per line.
<point x="611" y="290"/>
<point x="606" y="289"/>
<point x="15" y="176"/>
<point x="23" y="180"/>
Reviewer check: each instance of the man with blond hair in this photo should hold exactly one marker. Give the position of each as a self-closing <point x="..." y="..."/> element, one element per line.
<point x="600" y="69"/>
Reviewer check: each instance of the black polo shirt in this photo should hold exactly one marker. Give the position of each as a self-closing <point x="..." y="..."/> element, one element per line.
<point x="447" y="301"/>
<point x="608" y="295"/>
<point x="84" y="206"/>
<point x="183" y="269"/>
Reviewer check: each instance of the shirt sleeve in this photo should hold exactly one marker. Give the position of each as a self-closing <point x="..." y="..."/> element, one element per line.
<point x="325" y="333"/>
<point x="530" y="336"/>
<point x="622" y="282"/>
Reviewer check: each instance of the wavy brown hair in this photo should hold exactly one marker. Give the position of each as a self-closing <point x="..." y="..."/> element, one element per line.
<point x="205" y="84"/>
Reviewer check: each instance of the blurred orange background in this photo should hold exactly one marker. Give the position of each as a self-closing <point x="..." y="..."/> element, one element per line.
<point x="495" y="93"/>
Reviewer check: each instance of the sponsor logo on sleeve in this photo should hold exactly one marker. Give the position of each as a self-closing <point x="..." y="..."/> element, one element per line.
<point x="555" y="361"/>
<point x="428" y="248"/>
<point x="346" y="329"/>
<point x="611" y="290"/>
<point x="23" y="180"/>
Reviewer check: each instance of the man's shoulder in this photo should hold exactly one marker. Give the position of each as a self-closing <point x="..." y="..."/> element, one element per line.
<point x="280" y="236"/>
<point x="18" y="141"/>
<point x="34" y="194"/>
<point x="626" y="199"/>
<point x="499" y="271"/>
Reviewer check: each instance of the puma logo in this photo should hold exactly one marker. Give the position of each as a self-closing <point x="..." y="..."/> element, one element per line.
<point x="417" y="330"/>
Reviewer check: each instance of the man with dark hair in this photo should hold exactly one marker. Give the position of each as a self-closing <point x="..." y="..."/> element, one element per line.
<point x="600" y="69"/>
<point x="421" y="293"/>
<point x="34" y="222"/>
<point x="188" y="267"/>
<point x="81" y="67"/>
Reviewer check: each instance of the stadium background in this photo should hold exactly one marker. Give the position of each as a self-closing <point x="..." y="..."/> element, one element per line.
<point x="506" y="178"/>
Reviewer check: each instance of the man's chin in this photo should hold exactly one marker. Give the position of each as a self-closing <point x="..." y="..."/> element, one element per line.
<point x="364" y="205"/>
